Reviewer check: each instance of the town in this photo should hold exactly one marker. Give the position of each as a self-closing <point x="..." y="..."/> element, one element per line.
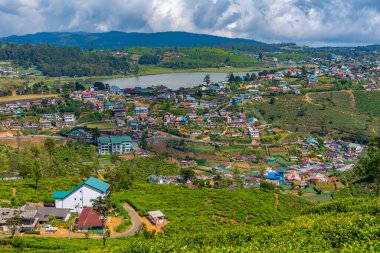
<point x="255" y="140"/>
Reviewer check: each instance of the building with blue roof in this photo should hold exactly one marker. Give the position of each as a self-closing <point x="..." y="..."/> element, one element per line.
<point x="278" y="176"/>
<point x="82" y="195"/>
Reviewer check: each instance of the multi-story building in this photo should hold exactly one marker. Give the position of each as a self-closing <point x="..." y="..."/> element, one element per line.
<point x="114" y="145"/>
<point x="69" y="119"/>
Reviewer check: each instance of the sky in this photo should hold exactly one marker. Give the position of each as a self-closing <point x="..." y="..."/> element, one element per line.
<point x="306" y="22"/>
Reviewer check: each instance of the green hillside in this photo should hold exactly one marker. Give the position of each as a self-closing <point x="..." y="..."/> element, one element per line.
<point x="349" y="225"/>
<point x="195" y="210"/>
<point x="354" y="112"/>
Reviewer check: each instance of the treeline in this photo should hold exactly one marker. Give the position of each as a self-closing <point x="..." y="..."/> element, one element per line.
<point x="64" y="61"/>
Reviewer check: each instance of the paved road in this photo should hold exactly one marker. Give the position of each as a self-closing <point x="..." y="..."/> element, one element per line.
<point x="135" y="219"/>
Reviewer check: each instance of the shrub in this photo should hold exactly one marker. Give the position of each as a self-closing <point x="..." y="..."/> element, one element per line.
<point x="123" y="226"/>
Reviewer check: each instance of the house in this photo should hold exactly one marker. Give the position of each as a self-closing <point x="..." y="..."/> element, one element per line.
<point x="82" y="135"/>
<point x="154" y="179"/>
<point x="89" y="221"/>
<point x="277" y="176"/>
<point x="29" y="221"/>
<point x="254" y="133"/>
<point x="81" y="196"/>
<point x="225" y="165"/>
<point x="157" y="218"/>
<point x="43" y="213"/>
<point x="354" y="148"/>
<point x="88" y="96"/>
<point x="69" y="119"/>
<point x="114" y="145"/>
<point x="140" y="110"/>
<point x="189" y="163"/>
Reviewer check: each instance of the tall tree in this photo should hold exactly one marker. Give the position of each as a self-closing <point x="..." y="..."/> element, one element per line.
<point x="231" y="78"/>
<point x="187" y="173"/>
<point x="370" y="164"/>
<point x="49" y="145"/>
<point x="207" y="79"/>
<point x="36" y="172"/>
<point x="102" y="206"/>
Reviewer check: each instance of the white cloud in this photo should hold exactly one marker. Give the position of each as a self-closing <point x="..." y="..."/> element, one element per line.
<point x="329" y="21"/>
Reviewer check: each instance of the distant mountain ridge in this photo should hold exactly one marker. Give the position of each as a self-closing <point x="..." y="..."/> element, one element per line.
<point x="116" y="39"/>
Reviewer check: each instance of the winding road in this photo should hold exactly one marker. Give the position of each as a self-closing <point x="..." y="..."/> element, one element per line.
<point x="135" y="220"/>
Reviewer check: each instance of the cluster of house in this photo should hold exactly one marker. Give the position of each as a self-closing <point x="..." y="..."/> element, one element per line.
<point x="45" y="121"/>
<point x="311" y="170"/>
<point x="79" y="200"/>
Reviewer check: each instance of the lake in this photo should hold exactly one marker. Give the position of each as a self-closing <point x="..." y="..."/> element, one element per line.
<point x="171" y="80"/>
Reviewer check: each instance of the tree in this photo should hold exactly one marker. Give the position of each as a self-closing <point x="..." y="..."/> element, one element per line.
<point x="49" y="145"/>
<point x="79" y="87"/>
<point x="207" y="79"/>
<point x="102" y="206"/>
<point x="36" y="172"/>
<point x="100" y="85"/>
<point x="304" y="70"/>
<point x="144" y="143"/>
<point x="14" y="223"/>
<point x="187" y="173"/>
<point x="231" y="78"/>
<point x="370" y="164"/>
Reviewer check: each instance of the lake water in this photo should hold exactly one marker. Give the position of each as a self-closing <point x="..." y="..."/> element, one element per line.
<point x="172" y="80"/>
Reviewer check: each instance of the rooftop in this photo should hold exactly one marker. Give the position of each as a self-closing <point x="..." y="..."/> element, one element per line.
<point x="91" y="181"/>
<point x="114" y="139"/>
<point x="89" y="218"/>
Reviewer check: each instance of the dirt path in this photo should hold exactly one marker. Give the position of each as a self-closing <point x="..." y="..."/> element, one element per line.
<point x="309" y="100"/>
<point x="276" y="200"/>
<point x="352" y="101"/>
<point x="352" y="98"/>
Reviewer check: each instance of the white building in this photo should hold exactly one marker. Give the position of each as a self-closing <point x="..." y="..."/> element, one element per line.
<point x="81" y="196"/>
<point x="114" y="145"/>
<point x="254" y="133"/>
<point x="69" y="118"/>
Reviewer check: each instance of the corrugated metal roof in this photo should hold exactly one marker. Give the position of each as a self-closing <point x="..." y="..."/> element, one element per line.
<point x="89" y="218"/>
<point x="91" y="181"/>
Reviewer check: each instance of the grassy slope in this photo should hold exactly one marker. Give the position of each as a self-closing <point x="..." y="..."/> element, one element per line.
<point x="350" y="225"/>
<point x="339" y="112"/>
<point x="195" y="210"/>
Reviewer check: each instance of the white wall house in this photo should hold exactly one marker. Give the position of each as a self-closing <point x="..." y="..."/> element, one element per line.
<point x="81" y="196"/>
<point x="114" y="145"/>
<point x="69" y="118"/>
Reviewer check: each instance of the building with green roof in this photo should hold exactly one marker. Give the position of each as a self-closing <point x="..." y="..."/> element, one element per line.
<point x="114" y="145"/>
<point x="82" y="195"/>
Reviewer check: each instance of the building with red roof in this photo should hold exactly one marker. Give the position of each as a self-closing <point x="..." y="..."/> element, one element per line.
<point x="89" y="221"/>
<point x="225" y="165"/>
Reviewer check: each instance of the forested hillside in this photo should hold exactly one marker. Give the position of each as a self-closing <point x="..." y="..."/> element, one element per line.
<point x="64" y="61"/>
<point x="115" y="39"/>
